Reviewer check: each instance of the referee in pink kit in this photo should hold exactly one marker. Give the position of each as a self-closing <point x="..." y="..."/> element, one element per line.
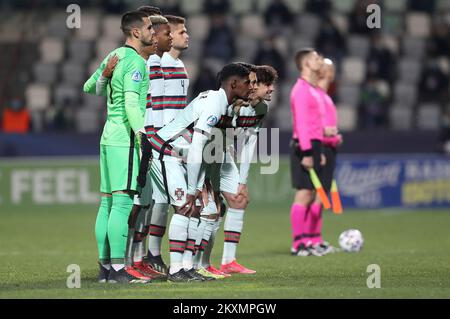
<point x="306" y="145"/>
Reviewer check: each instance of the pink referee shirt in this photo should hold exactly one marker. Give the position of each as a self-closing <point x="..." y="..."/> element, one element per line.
<point x="306" y="114"/>
<point x="329" y="117"/>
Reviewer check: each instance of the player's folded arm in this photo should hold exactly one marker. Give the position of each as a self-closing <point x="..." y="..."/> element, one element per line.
<point x="92" y="86"/>
<point x="132" y="81"/>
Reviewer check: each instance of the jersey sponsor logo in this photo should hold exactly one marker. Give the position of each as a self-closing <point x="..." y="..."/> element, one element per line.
<point x="179" y="193"/>
<point x="136" y="76"/>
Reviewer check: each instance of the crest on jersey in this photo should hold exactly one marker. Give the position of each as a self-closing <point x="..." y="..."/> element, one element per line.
<point x="179" y="193"/>
<point x="137" y="76"/>
<point x="212" y="120"/>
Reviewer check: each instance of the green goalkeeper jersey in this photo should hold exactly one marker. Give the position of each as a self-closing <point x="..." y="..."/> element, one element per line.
<point x="130" y="75"/>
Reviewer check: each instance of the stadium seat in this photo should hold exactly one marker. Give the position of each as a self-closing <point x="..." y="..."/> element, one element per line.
<point x="51" y="50"/>
<point x="87" y="120"/>
<point x="90" y="27"/>
<point x="241" y="7"/>
<point x="252" y="26"/>
<point x="392" y="23"/>
<point x="10" y="34"/>
<point x="308" y="25"/>
<point x="348" y="94"/>
<point x="343" y="6"/>
<point x="105" y="46"/>
<point x="111" y="27"/>
<point x="299" y="42"/>
<point x="447" y="18"/>
<point x="397" y="6"/>
<point x="400" y="118"/>
<point x="261" y="5"/>
<point x="74" y="73"/>
<point x="37" y="97"/>
<point x="282" y="44"/>
<point x="64" y="94"/>
<point x="413" y="47"/>
<point x="347" y="117"/>
<point x="246" y="48"/>
<point x="198" y="26"/>
<point x="405" y="95"/>
<point x="45" y="73"/>
<point x="353" y="69"/>
<point x="358" y="46"/>
<point x="80" y="50"/>
<point x="341" y="22"/>
<point x="428" y="117"/>
<point x="296" y="6"/>
<point x="191" y="7"/>
<point x="409" y="70"/>
<point x="442" y="6"/>
<point x="418" y="24"/>
<point x="57" y="26"/>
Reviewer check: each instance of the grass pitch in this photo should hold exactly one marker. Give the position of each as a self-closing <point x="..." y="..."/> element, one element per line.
<point x="411" y="248"/>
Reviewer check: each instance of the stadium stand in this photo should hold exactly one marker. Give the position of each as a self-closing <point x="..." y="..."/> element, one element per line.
<point x="412" y="36"/>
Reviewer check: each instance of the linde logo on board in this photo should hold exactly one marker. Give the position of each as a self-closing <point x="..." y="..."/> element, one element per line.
<point x="359" y="181"/>
<point x="50" y="186"/>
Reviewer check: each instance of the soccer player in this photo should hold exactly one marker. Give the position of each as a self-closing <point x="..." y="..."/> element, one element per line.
<point x="139" y="214"/>
<point x="176" y="85"/>
<point x="153" y="121"/>
<point x="233" y="182"/>
<point x="306" y="152"/>
<point x="119" y="146"/>
<point x="169" y="176"/>
<point x="330" y="142"/>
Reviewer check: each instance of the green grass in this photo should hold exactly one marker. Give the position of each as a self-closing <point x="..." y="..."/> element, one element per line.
<point x="411" y="247"/>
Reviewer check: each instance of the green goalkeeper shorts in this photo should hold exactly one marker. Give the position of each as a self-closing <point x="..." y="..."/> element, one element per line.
<point x="119" y="168"/>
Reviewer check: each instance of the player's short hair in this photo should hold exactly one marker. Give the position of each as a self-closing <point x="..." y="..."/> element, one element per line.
<point x="232" y="69"/>
<point x="132" y="19"/>
<point x="251" y="67"/>
<point x="266" y="74"/>
<point x="301" y="55"/>
<point x="158" y="20"/>
<point x="175" y="19"/>
<point x="150" y="10"/>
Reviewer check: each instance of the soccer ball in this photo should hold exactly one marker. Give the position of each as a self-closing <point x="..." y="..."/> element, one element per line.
<point x="351" y="240"/>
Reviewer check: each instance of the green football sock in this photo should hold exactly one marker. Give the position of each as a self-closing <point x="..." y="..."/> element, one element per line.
<point x="101" y="229"/>
<point x="118" y="226"/>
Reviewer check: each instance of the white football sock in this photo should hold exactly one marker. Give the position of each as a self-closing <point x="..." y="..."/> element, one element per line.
<point x="234" y="221"/>
<point x="178" y="230"/>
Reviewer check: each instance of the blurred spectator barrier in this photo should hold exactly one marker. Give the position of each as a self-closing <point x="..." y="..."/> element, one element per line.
<point x="375" y="181"/>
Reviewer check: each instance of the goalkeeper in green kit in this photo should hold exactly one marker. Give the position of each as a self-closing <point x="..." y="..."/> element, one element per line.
<point x="119" y="145"/>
